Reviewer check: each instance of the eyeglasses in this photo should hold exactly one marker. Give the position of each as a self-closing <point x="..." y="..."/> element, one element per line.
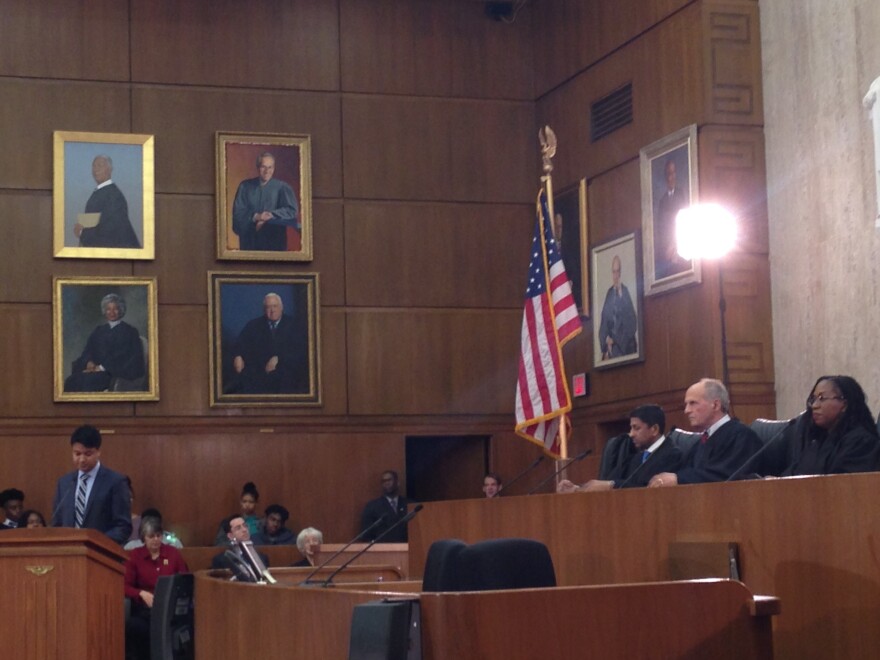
<point x="822" y="399"/>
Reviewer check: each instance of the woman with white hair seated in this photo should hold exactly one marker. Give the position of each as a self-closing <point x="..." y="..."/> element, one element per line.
<point x="308" y="542"/>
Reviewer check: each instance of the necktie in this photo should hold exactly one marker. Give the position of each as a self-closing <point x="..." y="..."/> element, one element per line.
<point x="704" y="437"/>
<point x="645" y="455"/>
<point x="80" y="504"/>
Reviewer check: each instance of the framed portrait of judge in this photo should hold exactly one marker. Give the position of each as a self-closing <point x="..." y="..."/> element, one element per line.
<point x="105" y="339"/>
<point x="264" y="197"/>
<point x="264" y="339"/>
<point x="669" y="184"/>
<point x="570" y="232"/>
<point x="103" y="204"/>
<point x="617" y="306"/>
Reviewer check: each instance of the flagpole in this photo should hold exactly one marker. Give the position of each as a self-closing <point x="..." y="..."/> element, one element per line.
<point x="547" y="138"/>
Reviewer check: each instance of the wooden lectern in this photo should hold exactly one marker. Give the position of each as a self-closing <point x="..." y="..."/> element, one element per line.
<point x="61" y="595"/>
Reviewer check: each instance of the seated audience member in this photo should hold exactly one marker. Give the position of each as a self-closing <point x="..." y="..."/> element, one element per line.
<point x="274" y="530"/>
<point x="168" y="538"/>
<point x="308" y="542"/>
<point x="491" y="484"/>
<point x="142" y="571"/>
<point x="236" y="530"/>
<point x="724" y="446"/>
<point x="250" y="496"/>
<point x="31" y="519"/>
<point x="648" y="452"/>
<point x="836" y="434"/>
<point x="12" y="502"/>
<point x="389" y="507"/>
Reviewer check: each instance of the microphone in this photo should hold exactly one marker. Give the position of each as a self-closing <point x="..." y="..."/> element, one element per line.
<point x="402" y="521"/>
<point x="641" y="465"/>
<point x="581" y="456"/>
<point x="521" y="474"/>
<point x="241" y="569"/>
<point x="772" y="440"/>
<point x="60" y="502"/>
<point x="369" y="528"/>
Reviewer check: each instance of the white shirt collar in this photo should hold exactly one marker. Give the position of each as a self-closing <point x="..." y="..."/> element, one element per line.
<point x="656" y="445"/>
<point x="717" y="425"/>
<point x="105" y="184"/>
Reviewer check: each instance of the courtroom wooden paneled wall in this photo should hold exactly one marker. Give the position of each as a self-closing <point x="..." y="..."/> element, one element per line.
<point x="423" y="117"/>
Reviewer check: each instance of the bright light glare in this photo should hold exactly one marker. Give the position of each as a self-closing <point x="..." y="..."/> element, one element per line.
<point x="705" y="231"/>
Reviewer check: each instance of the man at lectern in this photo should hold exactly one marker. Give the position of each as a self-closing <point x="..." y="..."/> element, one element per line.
<point x="725" y="443"/>
<point x="92" y="496"/>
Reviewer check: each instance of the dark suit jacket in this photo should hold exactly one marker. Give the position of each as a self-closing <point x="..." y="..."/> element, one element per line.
<point x="628" y="470"/>
<point x="726" y="451"/>
<point x="377" y="508"/>
<point x="108" y="509"/>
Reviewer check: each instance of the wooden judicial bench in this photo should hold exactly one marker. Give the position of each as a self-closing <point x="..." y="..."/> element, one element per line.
<point x="61" y="595"/>
<point x="716" y="619"/>
<point x="386" y="554"/>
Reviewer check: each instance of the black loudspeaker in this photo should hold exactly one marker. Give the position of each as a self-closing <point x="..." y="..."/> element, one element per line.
<point x="386" y="630"/>
<point x="171" y="619"/>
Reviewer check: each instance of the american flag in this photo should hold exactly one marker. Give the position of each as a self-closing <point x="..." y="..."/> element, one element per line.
<point x="550" y="319"/>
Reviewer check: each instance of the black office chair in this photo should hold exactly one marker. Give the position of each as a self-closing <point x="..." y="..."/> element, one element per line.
<point x="505" y="564"/>
<point x="441" y="567"/>
<point x="767" y="429"/>
<point x="610" y="452"/>
<point x="172" y="618"/>
<point x="684" y="440"/>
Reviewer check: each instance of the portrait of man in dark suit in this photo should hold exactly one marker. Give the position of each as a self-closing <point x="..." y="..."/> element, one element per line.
<point x="265" y="335"/>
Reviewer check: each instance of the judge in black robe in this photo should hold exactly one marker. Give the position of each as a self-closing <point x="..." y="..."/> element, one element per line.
<point x="114" y="229"/>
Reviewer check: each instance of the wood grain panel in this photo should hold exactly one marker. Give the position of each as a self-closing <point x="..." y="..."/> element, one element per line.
<point x="439" y="361"/>
<point x="749" y="318"/>
<point x="664" y="67"/>
<point x="733" y="174"/>
<point x="439" y="149"/>
<point x="573" y="35"/>
<point x="269" y="45"/>
<point x="185" y="120"/>
<point x="732" y="61"/>
<point x="27" y="266"/>
<point x="442" y="254"/>
<point x="439" y="49"/>
<point x="186" y="226"/>
<point x="31" y="110"/>
<point x="46" y="39"/>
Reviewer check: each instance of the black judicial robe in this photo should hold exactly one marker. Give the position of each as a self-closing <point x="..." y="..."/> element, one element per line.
<point x="725" y="452"/>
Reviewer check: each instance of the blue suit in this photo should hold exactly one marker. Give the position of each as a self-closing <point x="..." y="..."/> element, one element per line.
<point x="108" y="509"/>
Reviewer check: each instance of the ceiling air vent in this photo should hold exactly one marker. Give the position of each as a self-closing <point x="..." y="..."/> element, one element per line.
<point x="611" y="112"/>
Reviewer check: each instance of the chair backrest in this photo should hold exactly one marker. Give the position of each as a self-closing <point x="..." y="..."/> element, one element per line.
<point x="767" y="429"/>
<point x="684" y="440"/>
<point x="505" y="564"/>
<point x="441" y="567"/>
<point x="609" y="455"/>
<point x="171" y="619"/>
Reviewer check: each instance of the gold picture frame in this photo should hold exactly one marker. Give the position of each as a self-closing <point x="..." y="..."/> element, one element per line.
<point x="253" y="363"/>
<point x="262" y="215"/>
<point x="571" y="231"/>
<point x="90" y="363"/>
<point x="103" y="204"/>
<point x="662" y="198"/>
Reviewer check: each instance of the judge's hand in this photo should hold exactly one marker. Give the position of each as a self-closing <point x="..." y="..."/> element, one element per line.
<point x="272" y="364"/>
<point x="77" y="229"/>
<point x="147" y="597"/>
<point x="566" y="486"/>
<point x="663" y="479"/>
<point x="238" y="364"/>
<point x="90" y="367"/>
<point x="596" y="485"/>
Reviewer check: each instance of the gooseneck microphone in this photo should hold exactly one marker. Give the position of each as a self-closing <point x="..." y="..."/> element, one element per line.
<point x="758" y="453"/>
<point x="57" y="508"/>
<point x="402" y="521"/>
<point x="579" y="457"/>
<point x="360" y="535"/>
<point x="521" y="474"/>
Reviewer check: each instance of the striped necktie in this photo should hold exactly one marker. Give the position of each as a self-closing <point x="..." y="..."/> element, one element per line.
<point x="80" y="504"/>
